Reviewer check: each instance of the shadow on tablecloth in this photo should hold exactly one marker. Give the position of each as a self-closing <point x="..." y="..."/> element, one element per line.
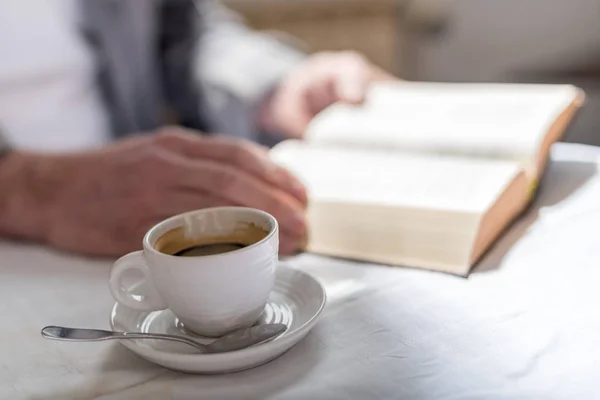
<point x="561" y="181"/>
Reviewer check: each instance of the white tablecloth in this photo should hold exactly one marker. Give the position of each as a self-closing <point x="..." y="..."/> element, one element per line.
<point x="524" y="325"/>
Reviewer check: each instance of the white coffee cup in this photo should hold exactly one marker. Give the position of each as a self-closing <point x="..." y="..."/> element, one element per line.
<point x="212" y="294"/>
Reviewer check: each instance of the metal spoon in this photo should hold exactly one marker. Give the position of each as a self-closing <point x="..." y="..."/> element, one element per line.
<point x="233" y="341"/>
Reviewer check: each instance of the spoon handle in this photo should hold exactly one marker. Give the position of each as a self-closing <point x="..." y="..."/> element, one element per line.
<point x="94" y="335"/>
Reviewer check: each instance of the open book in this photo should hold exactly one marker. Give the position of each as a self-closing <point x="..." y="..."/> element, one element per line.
<point x="426" y="175"/>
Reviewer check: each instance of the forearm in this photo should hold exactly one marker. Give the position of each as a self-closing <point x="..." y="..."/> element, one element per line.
<point x="25" y="191"/>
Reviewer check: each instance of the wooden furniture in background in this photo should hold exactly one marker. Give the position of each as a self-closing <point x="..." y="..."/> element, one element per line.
<point x="375" y="28"/>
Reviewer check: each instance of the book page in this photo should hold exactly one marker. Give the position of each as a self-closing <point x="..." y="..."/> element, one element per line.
<point x="422" y="181"/>
<point x="486" y="120"/>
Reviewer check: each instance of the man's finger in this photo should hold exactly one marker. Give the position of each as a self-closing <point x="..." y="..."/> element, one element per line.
<point x="240" y="188"/>
<point x="182" y="199"/>
<point x="245" y="155"/>
<point x="351" y="78"/>
<point x="289" y="245"/>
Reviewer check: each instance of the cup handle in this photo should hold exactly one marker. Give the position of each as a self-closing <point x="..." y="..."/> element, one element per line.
<point x="150" y="300"/>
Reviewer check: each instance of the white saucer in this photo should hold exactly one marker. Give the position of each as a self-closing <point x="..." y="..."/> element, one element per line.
<point x="297" y="300"/>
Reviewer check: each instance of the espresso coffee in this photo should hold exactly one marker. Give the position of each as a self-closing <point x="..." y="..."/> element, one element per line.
<point x="209" y="249"/>
<point x="179" y="243"/>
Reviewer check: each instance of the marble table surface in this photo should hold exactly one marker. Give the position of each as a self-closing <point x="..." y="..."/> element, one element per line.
<point x="524" y="325"/>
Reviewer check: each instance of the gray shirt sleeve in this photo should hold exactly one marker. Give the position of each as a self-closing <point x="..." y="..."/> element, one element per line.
<point x="237" y="68"/>
<point x="5" y="147"/>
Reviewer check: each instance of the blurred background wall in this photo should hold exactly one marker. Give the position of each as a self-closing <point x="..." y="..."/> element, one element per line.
<point x="454" y="40"/>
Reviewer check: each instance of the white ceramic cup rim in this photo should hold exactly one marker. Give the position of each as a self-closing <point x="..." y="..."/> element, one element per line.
<point x="150" y="237"/>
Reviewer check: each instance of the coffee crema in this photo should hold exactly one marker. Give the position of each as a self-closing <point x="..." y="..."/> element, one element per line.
<point x="177" y="242"/>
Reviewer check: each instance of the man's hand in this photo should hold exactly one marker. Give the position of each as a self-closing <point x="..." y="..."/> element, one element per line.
<point x="321" y="80"/>
<point x="102" y="202"/>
